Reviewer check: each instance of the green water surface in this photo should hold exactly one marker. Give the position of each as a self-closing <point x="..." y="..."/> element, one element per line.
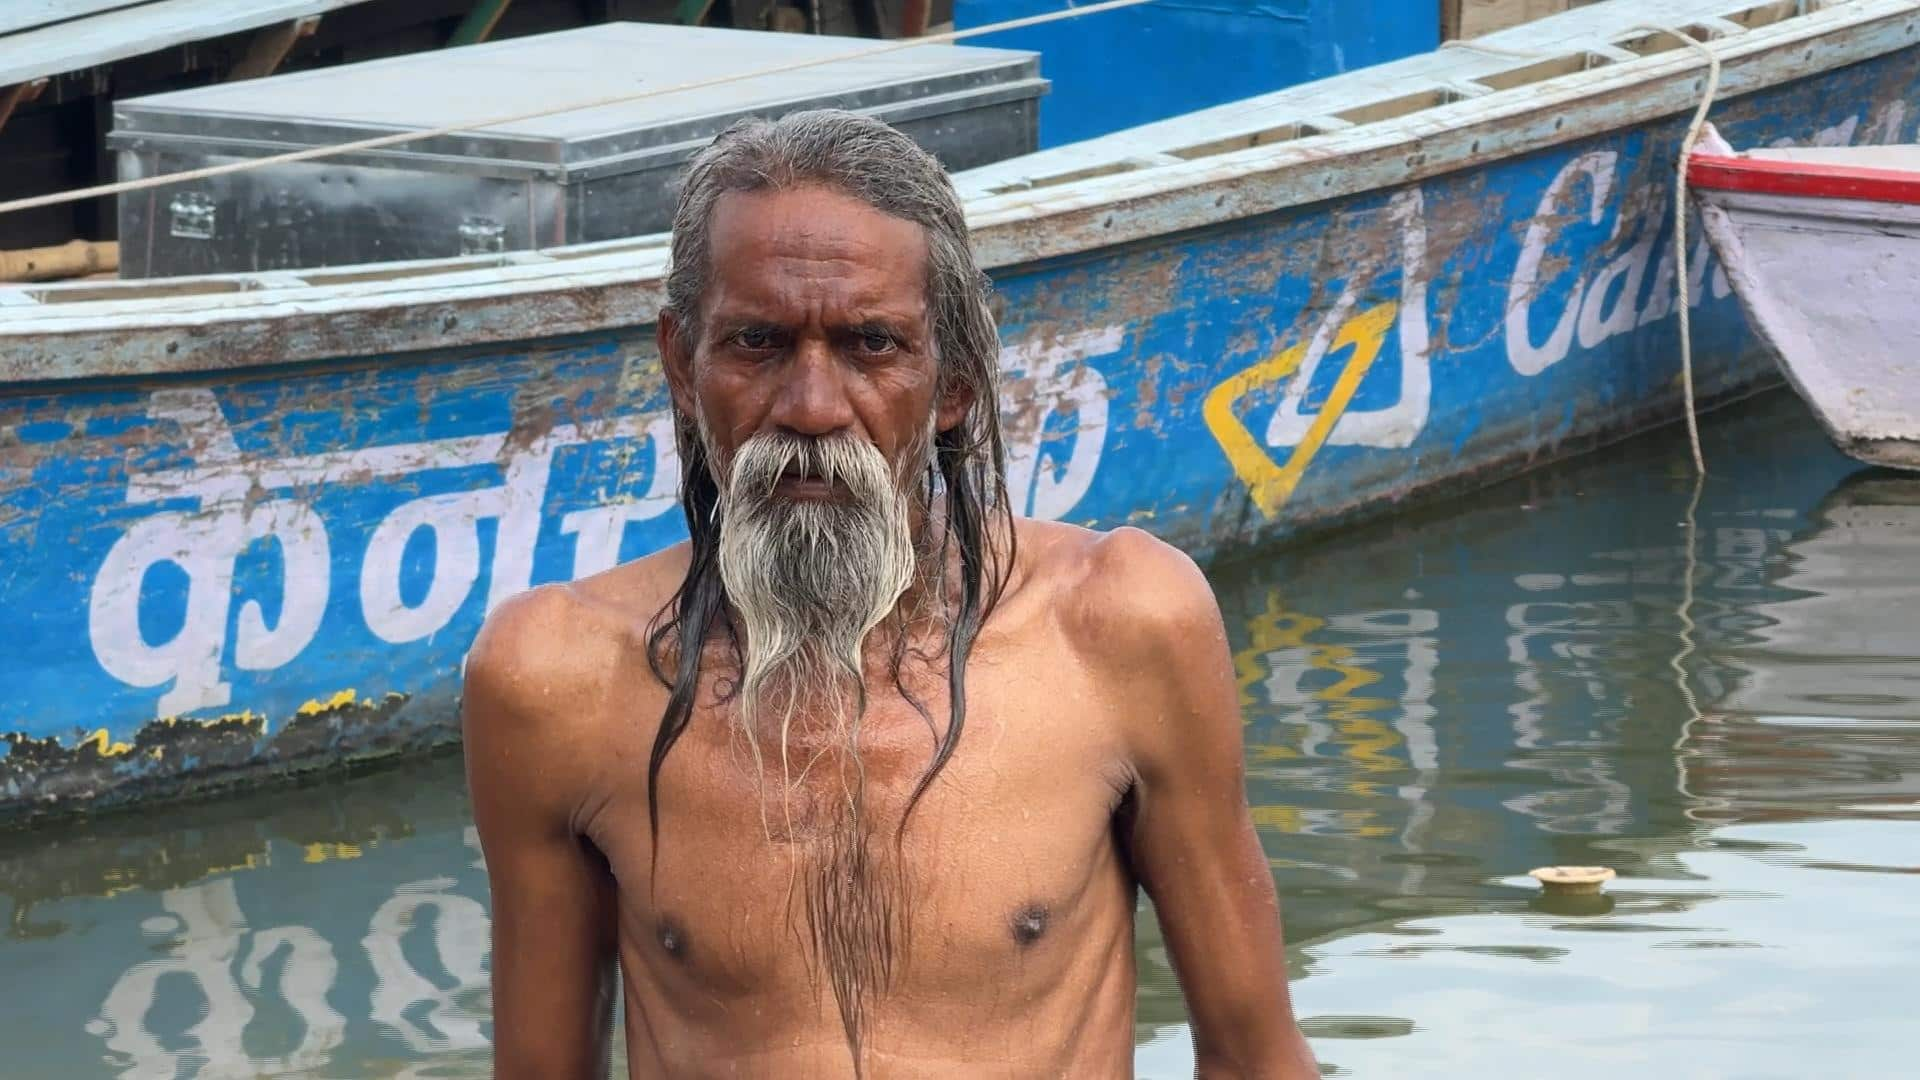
<point x="1561" y="669"/>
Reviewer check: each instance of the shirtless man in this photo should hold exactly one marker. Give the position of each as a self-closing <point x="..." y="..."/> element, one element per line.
<point x="864" y="779"/>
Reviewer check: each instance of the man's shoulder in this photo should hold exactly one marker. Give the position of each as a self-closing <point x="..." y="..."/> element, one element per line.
<point x="552" y="653"/>
<point x="1140" y="616"/>
<point x="1123" y="593"/>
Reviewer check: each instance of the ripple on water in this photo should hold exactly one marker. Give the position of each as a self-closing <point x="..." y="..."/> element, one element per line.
<point x="1434" y="705"/>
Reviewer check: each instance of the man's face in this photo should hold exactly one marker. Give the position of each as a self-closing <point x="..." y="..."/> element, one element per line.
<point x="814" y="383"/>
<point x="815" y="324"/>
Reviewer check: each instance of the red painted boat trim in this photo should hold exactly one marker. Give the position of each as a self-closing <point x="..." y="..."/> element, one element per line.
<point x="1716" y="172"/>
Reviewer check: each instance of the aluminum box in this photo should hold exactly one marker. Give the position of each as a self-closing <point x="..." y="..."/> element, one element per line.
<point x="588" y="174"/>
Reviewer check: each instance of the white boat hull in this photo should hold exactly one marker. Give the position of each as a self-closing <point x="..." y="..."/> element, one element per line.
<point x="1832" y="285"/>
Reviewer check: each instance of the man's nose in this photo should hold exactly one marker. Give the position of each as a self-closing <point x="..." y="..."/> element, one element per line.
<point x="813" y="397"/>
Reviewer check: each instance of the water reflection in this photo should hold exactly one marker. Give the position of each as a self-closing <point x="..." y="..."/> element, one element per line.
<point x="1433" y="705"/>
<point x="337" y="930"/>
<point x="208" y="952"/>
<point x="1761" y="958"/>
<point x="1440" y="703"/>
<point x="1825" y="717"/>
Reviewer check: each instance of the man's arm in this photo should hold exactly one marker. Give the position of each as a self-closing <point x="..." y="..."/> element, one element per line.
<point x="553" y="899"/>
<point x="1192" y="842"/>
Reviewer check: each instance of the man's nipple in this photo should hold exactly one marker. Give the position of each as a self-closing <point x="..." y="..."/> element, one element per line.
<point x="1029" y="923"/>
<point x="673" y="938"/>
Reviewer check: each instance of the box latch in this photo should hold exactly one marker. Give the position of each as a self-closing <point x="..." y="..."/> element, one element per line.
<point x="193" y="215"/>
<point x="482" y="236"/>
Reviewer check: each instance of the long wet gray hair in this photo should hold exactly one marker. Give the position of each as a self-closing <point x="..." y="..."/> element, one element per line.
<point x="965" y="478"/>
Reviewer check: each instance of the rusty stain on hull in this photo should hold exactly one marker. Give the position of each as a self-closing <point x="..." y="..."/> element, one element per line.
<point x="175" y="757"/>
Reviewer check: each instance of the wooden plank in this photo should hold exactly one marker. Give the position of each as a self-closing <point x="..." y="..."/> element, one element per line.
<point x="18" y="15"/>
<point x="1800" y="178"/>
<point x="12" y="97"/>
<point x="1472" y="18"/>
<point x="1310" y="108"/>
<point x="116" y="35"/>
<point x="270" y="48"/>
<point x="77" y="258"/>
<point x="914" y="15"/>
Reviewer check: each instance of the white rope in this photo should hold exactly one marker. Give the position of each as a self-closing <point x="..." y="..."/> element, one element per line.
<point x="1680" y="230"/>
<point x="378" y="142"/>
<point x="1678" y="661"/>
<point x="1690" y="523"/>
<point x="1685" y="612"/>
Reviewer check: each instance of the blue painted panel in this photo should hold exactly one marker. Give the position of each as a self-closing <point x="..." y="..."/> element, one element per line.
<point x="299" y="560"/>
<point x="1143" y="64"/>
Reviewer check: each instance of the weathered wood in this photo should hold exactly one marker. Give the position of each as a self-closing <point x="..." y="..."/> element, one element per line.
<point x="17" y="95"/>
<point x="914" y="15"/>
<point x="18" y="15"/>
<point x="270" y="47"/>
<point x="1473" y="18"/>
<point x="121" y="33"/>
<point x="78" y="258"/>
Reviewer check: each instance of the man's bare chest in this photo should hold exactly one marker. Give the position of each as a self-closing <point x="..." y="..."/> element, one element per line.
<point x="782" y="868"/>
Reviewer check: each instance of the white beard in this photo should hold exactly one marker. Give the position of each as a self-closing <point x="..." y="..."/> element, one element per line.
<point x="809" y="580"/>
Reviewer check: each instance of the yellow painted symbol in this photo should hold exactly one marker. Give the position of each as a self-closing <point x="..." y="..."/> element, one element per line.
<point x="1272" y="485"/>
<point x="104" y="745"/>
<point x="1362" y="737"/>
<point x="1274" y="628"/>
<point x="337" y="701"/>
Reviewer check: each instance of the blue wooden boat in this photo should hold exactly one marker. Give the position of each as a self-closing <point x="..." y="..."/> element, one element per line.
<point x="249" y="524"/>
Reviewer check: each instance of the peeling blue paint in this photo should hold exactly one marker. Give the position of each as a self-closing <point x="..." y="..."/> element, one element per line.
<point x="252" y="546"/>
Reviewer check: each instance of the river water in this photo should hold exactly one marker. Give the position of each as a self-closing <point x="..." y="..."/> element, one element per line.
<point x="1561" y="669"/>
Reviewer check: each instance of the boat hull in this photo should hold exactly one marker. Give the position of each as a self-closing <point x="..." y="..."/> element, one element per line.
<point x="226" y="576"/>
<point x="1828" y="285"/>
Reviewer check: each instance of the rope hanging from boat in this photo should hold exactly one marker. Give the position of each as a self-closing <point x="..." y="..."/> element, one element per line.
<point x="1690" y="522"/>
<point x="1707" y="96"/>
<point x="382" y="141"/>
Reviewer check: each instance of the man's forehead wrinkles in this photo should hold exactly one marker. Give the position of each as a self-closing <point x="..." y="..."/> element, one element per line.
<point x="859" y="266"/>
<point x="869" y="267"/>
<point x="840" y="302"/>
<point x="812" y="225"/>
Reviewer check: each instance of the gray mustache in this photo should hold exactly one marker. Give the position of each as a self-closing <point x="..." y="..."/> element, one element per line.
<point x="844" y="459"/>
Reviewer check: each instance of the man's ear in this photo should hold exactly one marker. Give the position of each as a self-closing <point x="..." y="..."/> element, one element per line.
<point x="676" y="360"/>
<point x="955" y="403"/>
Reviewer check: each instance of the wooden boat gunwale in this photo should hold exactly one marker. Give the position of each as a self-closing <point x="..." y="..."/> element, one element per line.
<point x="176" y="326"/>
<point x="1800" y="178"/>
<point x="105" y="34"/>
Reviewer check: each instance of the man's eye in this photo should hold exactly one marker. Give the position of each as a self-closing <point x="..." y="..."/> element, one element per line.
<point x="757" y="339"/>
<point x="875" y="341"/>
